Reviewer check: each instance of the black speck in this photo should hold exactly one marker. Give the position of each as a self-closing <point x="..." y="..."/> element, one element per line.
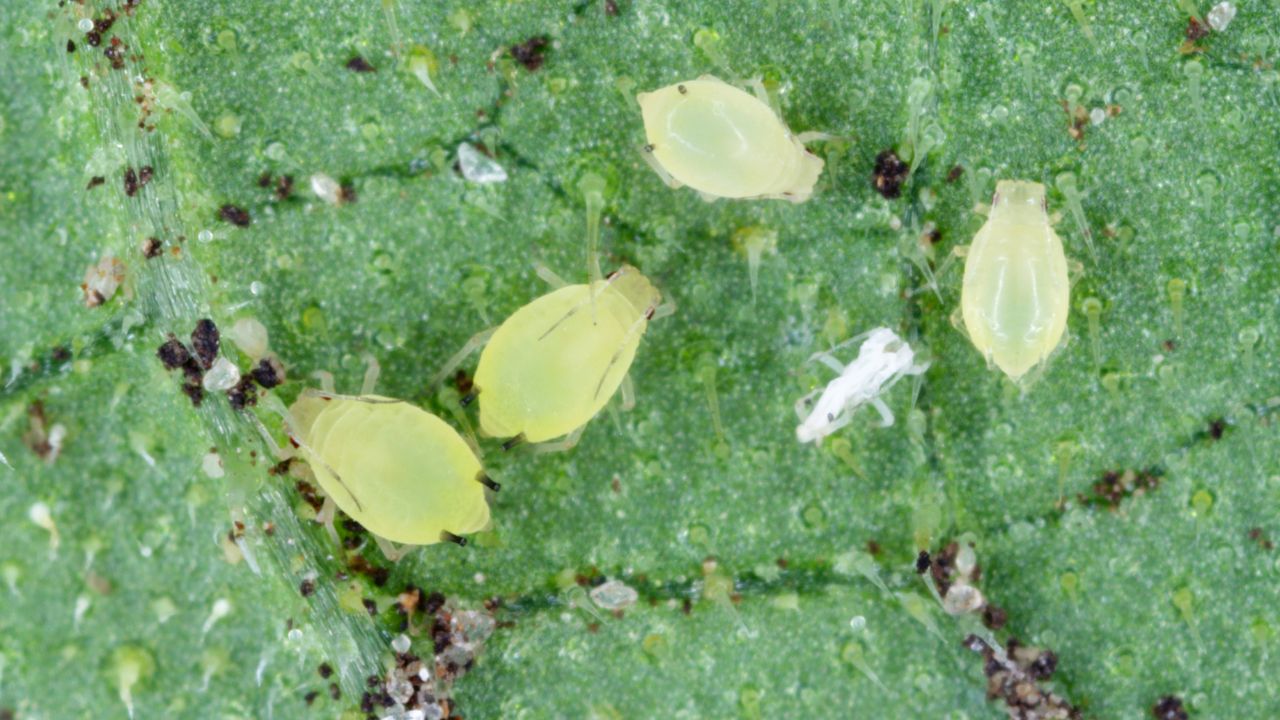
<point x="530" y="52"/>
<point x="264" y="180"/>
<point x="235" y="215"/>
<point x="434" y="602"/>
<point x="94" y="182"/>
<point x="151" y="247"/>
<point x="1217" y="428"/>
<point x="334" y="692"/>
<point x="994" y="617"/>
<point x="71" y="46"/>
<point x="268" y="372"/>
<point x="954" y="173"/>
<point x="61" y="353"/>
<point x="1196" y="30"/>
<point x="1169" y="707"/>
<point x="145" y="173"/>
<point x="611" y="8"/>
<point x="284" y="187"/>
<point x="93" y="37"/>
<point x="173" y="354"/>
<point x="307" y="588"/>
<point x="311" y="696"/>
<point x="922" y="562"/>
<point x="325" y="670"/>
<point x="130" y="182"/>
<point x="370" y="606"/>
<point x="360" y="65"/>
<point x="194" y="391"/>
<point x="115" y="53"/>
<point x="889" y="174"/>
<point x="243" y="394"/>
<point x="204" y="340"/>
<point x="1043" y="666"/>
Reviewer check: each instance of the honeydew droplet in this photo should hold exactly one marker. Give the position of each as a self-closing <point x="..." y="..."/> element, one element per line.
<point x="85" y="25"/>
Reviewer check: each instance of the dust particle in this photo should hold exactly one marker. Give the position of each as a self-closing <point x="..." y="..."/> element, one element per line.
<point x="151" y="248"/>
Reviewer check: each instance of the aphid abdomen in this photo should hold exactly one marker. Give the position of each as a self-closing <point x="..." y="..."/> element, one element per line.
<point x="724" y="142"/>
<point x="1016" y="288"/>
<point x="398" y="470"/>
<point x="556" y="362"/>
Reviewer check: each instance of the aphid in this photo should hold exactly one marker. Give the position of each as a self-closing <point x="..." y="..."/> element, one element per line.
<point x="555" y="363"/>
<point x="725" y="143"/>
<point x="401" y="472"/>
<point x="1015" y="294"/>
<point x="883" y="359"/>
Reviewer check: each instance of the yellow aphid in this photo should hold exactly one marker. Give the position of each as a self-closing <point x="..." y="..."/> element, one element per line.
<point x="1016" y="288"/>
<point x="724" y="142"/>
<point x="557" y="361"/>
<point x="401" y="472"/>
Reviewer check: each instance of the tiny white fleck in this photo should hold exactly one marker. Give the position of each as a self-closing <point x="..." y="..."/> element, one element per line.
<point x="223" y="375"/>
<point x="962" y="598"/>
<point x="212" y="465"/>
<point x="1097" y="116"/>
<point x="221" y="607"/>
<point x="400" y="643"/>
<point x="255" y="287"/>
<point x="82" y="607"/>
<point x="40" y="515"/>
<point x="85" y="25"/>
<point x="614" y="595"/>
<point x="478" y="167"/>
<point x="479" y="578"/>
<point x="145" y="551"/>
<point x="205" y="236"/>
<point x="857" y="623"/>
<point x="326" y="188"/>
<point x="1221" y="16"/>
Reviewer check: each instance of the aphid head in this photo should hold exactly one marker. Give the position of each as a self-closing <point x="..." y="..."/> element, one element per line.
<point x="1019" y="193"/>
<point x="636" y="288"/>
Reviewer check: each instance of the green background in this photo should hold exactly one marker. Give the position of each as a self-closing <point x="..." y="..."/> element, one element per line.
<point x="1182" y="183"/>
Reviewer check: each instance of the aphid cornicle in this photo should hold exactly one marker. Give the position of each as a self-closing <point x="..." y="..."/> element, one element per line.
<point x="556" y="362"/>
<point x="1015" y="296"/>
<point x="724" y="142"/>
<point x="401" y="472"/>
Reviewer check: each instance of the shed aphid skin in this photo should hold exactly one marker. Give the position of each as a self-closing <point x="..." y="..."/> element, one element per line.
<point x="404" y="474"/>
<point x="556" y="362"/>
<point x="1015" y="296"/>
<point x="724" y="143"/>
<point x="883" y="360"/>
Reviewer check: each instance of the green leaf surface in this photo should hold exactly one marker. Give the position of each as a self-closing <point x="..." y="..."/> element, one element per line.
<point x="756" y="594"/>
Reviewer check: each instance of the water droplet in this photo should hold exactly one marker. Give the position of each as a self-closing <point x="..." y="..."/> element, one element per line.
<point x="85" y="25"/>
<point x="275" y="151"/>
<point x="205" y="236"/>
<point x="857" y="623"/>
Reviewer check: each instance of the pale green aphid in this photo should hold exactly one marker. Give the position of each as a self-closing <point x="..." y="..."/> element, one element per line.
<point x="556" y="362"/>
<point x="725" y="143"/>
<point x="401" y="472"/>
<point x="1016" y="287"/>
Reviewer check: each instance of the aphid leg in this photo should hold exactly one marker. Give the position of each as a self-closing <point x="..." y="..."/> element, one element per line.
<point x="449" y="399"/>
<point x="325" y="378"/>
<point x="959" y="252"/>
<point x="326" y="518"/>
<point x="371" y="371"/>
<point x="886" y="415"/>
<point x="707" y="372"/>
<point x="476" y="342"/>
<point x="957" y="321"/>
<point x="312" y="392"/>
<point x="646" y="152"/>
<point x="512" y="442"/>
<point x="1075" y="270"/>
<point x="809" y="136"/>
<point x="756" y="85"/>
<point x="666" y="309"/>
<point x="628" y="390"/>
<point x="567" y="443"/>
<point x="549" y="276"/>
<point x="390" y="550"/>
<point x="828" y="360"/>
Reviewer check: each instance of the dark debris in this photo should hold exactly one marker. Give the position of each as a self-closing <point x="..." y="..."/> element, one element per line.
<point x="889" y="174"/>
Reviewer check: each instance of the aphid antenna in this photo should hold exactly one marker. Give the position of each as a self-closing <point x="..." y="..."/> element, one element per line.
<point x="569" y="442"/>
<point x="372" y="369"/>
<point x="326" y="380"/>
<point x="354" y="398"/>
<point x="476" y="342"/>
<point x="838" y="346"/>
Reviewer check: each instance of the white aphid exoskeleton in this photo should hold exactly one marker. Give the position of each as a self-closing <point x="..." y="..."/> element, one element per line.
<point x="883" y="359"/>
<point x="725" y="142"/>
